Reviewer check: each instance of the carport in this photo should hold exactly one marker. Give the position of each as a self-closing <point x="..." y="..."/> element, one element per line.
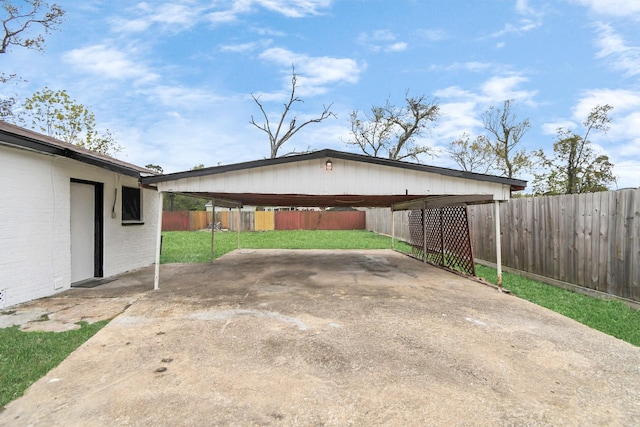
<point x="330" y="178"/>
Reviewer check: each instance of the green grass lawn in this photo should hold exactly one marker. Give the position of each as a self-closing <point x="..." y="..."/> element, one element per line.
<point x="195" y="246"/>
<point x="609" y="316"/>
<point x="25" y="357"/>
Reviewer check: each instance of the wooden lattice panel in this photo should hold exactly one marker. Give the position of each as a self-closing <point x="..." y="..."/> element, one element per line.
<point x="416" y="230"/>
<point x="447" y="238"/>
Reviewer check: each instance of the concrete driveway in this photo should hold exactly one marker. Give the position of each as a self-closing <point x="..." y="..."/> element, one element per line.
<point x="340" y="338"/>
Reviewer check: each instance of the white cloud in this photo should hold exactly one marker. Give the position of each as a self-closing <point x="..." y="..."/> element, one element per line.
<point x="551" y="128"/>
<point x="614" y="48"/>
<point x="181" y="97"/>
<point x="531" y="20"/>
<point x="397" y="47"/>
<point x="288" y="8"/>
<point x="501" y="88"/>
<point x="246" y="47"/>
<point x="294" y="8"/>
<point x="313" y="73"/>
<point x="110" y="63"/>
<point x="457" y="118"/>
<point x="432" y="35"/>
<point x="620" y="8"/>
<point x="524" y="26"/>
<point x="622" y="101"/>
<point x="381" y="40"/>
<point x="181" y="15"/>
<point x="172" y="16"/>
<point x="473" y="66"/>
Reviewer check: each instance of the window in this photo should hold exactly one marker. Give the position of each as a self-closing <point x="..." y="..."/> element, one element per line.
<point x="131" y="205"/>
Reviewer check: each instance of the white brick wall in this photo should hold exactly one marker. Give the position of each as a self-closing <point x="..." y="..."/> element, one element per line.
<point x="35" y="224"/>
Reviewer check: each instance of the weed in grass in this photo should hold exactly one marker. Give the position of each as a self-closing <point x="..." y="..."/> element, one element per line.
<point x="606" y="315"/>
<point x="27" y="356"/>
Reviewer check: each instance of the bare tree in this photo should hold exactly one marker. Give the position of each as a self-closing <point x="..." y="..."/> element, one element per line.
<point x="472" y="156"/>
<point x="391" y="131"/>
<point x="17" y="19"/>
<point x="282" y="133"/>
<point x="507" y="133"/>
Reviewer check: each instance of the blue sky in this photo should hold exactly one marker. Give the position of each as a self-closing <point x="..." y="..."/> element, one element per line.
<point x="173" y="80"/>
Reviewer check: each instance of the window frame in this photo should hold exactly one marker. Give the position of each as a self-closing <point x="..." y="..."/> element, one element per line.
<point x="131" y="206"/>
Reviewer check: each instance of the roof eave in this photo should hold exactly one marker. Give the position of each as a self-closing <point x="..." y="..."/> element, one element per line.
<point x="28" y="143"/>
<point x="515" y="184"/>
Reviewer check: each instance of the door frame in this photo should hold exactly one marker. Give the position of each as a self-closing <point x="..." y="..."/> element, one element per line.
<point x="98" y="225"/>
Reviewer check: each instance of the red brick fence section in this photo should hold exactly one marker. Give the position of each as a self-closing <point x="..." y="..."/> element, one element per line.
<point x="285" y="220"/>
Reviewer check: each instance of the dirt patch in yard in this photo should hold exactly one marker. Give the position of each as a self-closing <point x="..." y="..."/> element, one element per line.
<point x="335" y="338"/>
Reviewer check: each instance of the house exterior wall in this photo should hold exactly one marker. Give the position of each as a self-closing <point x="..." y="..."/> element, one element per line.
<point x="35" y="242"/>
<point x="347" y="177"/>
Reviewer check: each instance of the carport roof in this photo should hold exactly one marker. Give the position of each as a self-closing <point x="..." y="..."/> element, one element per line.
<point x="297" y="181"/>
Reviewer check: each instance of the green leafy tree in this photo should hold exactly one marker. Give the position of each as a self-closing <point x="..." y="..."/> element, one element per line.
<point x="575" y="167"/>
<point x="472" y="156"/>
<point x="282" y="132"/>
<point x="391" y="131"/>
<point x="18" y="19"/>
<point x="57" y="115"/>
<point x="506" y="134"/>
<point x="155" y="168"/>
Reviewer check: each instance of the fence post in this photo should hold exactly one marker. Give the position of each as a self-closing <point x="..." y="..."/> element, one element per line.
<point x="498" y="244"/>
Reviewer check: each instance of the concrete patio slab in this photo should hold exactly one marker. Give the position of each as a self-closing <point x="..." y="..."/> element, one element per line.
<point x="275" y="337"/>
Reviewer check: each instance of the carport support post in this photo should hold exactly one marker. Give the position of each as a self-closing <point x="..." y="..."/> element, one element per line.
<point x="238" y="226"/>
<point x="213" y="228"/>
<point x="498" y="244"/>
<point x="393" y="230"/>
<point x="156" y="276"/>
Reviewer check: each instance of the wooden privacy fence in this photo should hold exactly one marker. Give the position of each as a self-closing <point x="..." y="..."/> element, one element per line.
<point x="342" y="220"/>
<point x="590" y="240"/>
<point x="264" y="220"/>
<point x="379" y="221"/>
<point x="185" y="220"/>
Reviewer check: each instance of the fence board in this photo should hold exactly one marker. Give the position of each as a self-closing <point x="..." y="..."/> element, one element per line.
<point x="635" y="254"/>
<point x="264" y="221"/>
<point x="175" y="221"/>
<point x="602" y="242"/>
<point x="611" y="249"/>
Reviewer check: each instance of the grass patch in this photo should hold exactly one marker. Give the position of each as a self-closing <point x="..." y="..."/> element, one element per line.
<point x="26" y="357"/>
<point x="195" y="246"/>
<point x="606" y="315"/>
